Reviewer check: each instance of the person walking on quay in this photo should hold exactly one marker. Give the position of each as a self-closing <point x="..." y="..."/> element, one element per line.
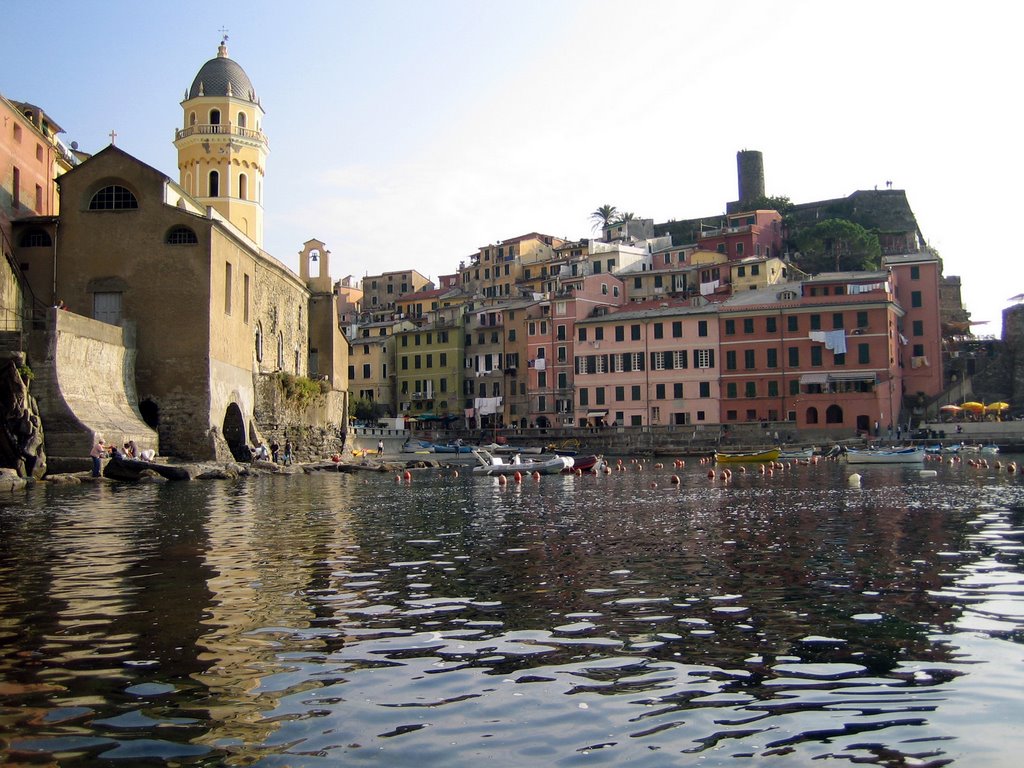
<point x="98" y="453"/>
<point x="380" y="447"/>
<point x="287" y="457"/>
<point x="275" y="450"/>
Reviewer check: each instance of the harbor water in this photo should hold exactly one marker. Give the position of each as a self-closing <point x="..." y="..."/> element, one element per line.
<point x="618" y="620"/>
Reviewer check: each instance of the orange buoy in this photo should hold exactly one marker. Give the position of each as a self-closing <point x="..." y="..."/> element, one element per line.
<point x="536" y="475"/>
<point x="407" y="476"/>
<point x="711" y="474"/>
<point x="674" y="479"/>
<point x="518" y="476"/>
<point x="502" y="480"/>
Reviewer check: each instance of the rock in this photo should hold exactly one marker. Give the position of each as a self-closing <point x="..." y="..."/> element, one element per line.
<point x="218" y="473"/>
<point x="10" y="480"/>
<point x="119" y="468"/>
<point x="151" y="476"/>
<point x="21" y="434"/>
<point x="64" y="479"/>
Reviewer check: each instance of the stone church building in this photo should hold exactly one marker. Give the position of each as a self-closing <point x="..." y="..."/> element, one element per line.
<point x="222" y="330"/>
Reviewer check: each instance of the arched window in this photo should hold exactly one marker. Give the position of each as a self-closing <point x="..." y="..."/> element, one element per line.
<point x="188" y="184"/>
<point x="113" y="198"/>
<point x="214" y="117"/>
<point x="36" y="238"/>
<point x="259" y="343"/>
<point x="214" y="184"/>
<point x="812" y="415"/>
<point x="833" y="415"/>
<point x="192" y="118"/>
<point x="181" y="236"/>
<point x="241" y="120"/>
<point x="280" y="350"/>
<point x="297" y="368"/>
<point x="243" y="187"/>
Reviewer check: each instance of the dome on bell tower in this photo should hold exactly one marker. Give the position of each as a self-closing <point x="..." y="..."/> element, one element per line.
<point x="222" y="77"/>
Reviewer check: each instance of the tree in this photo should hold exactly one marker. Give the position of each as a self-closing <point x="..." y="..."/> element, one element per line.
<point x="366" y="410"/>
<point x="779" y="203"/>
<point x="604" y="215"/>
<point x="624" y="217"/>
<point x="837" y="245"/>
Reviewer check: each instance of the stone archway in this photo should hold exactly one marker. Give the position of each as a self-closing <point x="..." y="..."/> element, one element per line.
<point x="150" y="412"/>
<point x="233" y="430"/>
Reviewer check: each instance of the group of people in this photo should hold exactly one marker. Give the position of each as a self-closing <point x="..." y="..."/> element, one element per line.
<point x="130" y="450"/>
<point x="260" y="452"/>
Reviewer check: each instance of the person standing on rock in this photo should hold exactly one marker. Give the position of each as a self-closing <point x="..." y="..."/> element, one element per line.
<point x="98" y="453"/>
<point x="275" y="449"/>
<point x="287" y="457"/>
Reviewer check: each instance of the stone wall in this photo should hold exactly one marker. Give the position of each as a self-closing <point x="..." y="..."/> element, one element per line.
<point x="317" y="429"/>
<point x="85" y="384"/>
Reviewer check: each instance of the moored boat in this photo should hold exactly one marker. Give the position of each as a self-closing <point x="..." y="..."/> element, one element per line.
<point x="803" y="453"/>
<point x="881" y="456"/>
<point x="456" y="446"/>
<point x="726" y="457"/>
<point x="587" y="464"/>
<point x="495" y="465"/>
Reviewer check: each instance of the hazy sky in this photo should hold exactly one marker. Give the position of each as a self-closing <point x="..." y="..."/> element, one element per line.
<point x="408" y="134"/>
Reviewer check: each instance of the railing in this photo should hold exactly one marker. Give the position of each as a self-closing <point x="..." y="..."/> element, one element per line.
<point x="224" y="129"/>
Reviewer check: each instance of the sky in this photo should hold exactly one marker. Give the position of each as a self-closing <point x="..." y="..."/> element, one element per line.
<point x="410" y="133"/>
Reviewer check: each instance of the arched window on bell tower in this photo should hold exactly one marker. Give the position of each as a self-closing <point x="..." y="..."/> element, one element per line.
<point x="241" y="120"/>
<point x="214" y="117"/>
<point x="243" y="187"/>
<point x="214" y="184"/>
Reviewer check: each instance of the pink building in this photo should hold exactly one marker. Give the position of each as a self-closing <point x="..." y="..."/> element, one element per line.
<point x="550" y="332"/>
<point x="752" y="233"/>
<point x="917" y="278"/>
<point x="824" y="352"/>
<point x="648" y="364"/>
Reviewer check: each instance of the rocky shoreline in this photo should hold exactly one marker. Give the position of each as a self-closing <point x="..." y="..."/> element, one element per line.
<point x="118" y="469"/>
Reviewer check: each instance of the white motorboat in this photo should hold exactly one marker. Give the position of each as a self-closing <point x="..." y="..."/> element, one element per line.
<point x="495" y="465"/>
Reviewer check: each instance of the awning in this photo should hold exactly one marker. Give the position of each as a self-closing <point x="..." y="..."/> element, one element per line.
<point x="852" y="376"/>
<point x="814" y="378"/>
<point x="596" y="414"/>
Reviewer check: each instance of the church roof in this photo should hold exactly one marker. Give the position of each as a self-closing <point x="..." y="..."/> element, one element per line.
<point x="222" y="76"/>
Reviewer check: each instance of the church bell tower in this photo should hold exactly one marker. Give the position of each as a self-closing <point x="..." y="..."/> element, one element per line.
<point x="222" y="151"/>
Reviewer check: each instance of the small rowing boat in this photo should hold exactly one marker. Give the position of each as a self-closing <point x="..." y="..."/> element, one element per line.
<point x="724" y="457"/>
<point x="879" y="456"/>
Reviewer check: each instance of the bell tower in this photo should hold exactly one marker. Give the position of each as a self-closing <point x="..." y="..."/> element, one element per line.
<point x="222" y="151"/>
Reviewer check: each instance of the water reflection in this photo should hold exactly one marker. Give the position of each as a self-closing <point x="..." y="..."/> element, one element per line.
<point x="612" y="620"/>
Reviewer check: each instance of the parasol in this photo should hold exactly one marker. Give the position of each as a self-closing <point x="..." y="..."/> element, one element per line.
<point x="997" y="407"/>
<point x="950" y="409"/>
<point x="973" y="406"/>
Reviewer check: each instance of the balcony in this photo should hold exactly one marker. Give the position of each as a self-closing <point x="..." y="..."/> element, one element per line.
<point x="222" y="129"/>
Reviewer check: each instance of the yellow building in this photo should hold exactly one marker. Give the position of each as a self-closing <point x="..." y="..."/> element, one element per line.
<point x="231" y="345"/>
<point x="222" y="150"/>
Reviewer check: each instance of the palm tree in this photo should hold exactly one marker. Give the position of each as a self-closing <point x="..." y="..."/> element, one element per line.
<point x="624" y="217"/>
<point x="604" y="215"/>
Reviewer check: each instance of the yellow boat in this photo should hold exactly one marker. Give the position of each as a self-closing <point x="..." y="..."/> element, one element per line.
<point x="721" y="457"/>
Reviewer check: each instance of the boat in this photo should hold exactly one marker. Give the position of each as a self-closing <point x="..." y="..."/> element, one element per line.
<point x="803" y="453"/>
<point x="990" y="450"/>
<point x="495" y="465"/>
<point x="882" y="456"/>
<point x="587" y="464"/>
<point x="456" y="446"/>
<point x="724" y="457"/>
<point x="509" y="450"/>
